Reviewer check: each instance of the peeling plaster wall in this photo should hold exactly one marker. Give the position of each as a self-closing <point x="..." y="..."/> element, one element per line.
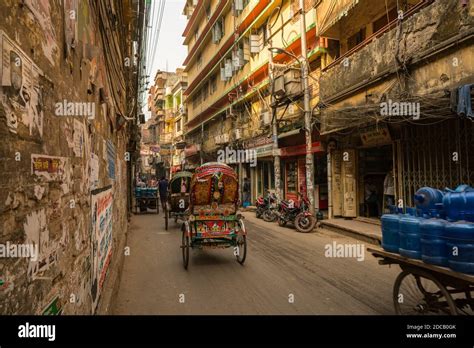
<point x="430" y="26"/>
<point x="50" y="206"/>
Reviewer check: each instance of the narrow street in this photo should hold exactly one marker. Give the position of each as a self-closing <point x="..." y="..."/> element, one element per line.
<point x="280" y="262"/>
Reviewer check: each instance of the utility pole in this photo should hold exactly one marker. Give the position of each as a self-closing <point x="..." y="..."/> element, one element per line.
<point x="276" y="153"/>
<point x="307" y="110"/>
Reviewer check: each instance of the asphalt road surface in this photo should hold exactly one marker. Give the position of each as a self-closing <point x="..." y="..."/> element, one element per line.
<point x="285" y="272"/>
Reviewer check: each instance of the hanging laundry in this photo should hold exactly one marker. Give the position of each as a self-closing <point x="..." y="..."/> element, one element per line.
<point x="464" y="101"/>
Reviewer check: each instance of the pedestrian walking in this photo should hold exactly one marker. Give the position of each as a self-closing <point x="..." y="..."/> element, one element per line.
<point x="163" y="190"/>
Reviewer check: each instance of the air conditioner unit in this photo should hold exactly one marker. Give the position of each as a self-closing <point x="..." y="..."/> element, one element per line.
<point x="265" y="118"/>
<point x="228" y="69"/>
<point x="255" y="44"/>
<point x="182" y="110"/>
<point x="239" y="5"/>
<point x="279" y="86"/>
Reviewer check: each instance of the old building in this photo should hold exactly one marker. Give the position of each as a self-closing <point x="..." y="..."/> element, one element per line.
<point x="395" y="85"/>
<point x="228" y="96"/>
<point x="68" y="125"/>
<point x="168" y="116"/>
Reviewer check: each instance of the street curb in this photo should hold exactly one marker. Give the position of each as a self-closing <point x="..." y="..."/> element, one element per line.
<point x="363" y="236"/>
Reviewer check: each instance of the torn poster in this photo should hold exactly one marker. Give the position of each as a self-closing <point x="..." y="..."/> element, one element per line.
<point x="52" y="168"/>
<point x="78" y="138"/>
<point x="94" y="171"/>
<point x="21" y="94"/>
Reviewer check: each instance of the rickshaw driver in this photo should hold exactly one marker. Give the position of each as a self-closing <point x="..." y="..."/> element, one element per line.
<point x="163" y="189"/>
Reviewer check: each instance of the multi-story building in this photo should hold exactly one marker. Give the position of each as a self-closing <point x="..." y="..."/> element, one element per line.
<point x="168" y="113"/>
<point x="229" y="107"/>
<point x="394" y="95"/>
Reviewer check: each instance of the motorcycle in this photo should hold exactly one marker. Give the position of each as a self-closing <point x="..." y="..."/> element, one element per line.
<point x="263" y="204"/>
<point x="300" y="215"/>
<point x="270" y="212"/>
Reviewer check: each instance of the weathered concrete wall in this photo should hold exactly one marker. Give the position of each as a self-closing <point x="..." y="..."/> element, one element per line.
<point x="430" y="26"/>
<point x="54" y="163"/>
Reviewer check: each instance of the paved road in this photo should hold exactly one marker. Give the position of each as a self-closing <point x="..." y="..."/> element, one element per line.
<point x="281" y="265"/>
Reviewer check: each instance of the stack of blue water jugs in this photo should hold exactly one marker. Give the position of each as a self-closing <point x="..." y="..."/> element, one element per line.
<point x="439" y="231"/>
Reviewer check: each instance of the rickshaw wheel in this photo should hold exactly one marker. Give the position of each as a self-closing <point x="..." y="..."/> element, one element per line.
<point x="185" y="247"/>
<point x="166" y="218"/>
<point x="242" y="244"/>
<point x="420" y="293"/>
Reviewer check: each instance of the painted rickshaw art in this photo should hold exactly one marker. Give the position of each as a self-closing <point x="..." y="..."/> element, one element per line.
<point x="178" y="197"/>
<point x="213" y="220"/>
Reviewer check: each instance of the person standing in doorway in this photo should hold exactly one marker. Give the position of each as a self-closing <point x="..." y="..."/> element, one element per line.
<point x="246" y="191"/>
<point x="389" y="189"/>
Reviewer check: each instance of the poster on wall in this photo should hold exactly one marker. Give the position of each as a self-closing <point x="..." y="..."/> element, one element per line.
<point x="78" y="138"/>
<point x="111" y="159"/>
<point x="21" y="95"/>
<point x="94" y="171"/>
<point x="101" y="239"/>
<point x="51" y="168"/>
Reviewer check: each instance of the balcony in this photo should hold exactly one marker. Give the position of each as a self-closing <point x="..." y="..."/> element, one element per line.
<point x="376" y="55"/>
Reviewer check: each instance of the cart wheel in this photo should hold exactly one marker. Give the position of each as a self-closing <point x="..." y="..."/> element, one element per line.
<point x="420" y="293"/>
<point x="241" y="253"/>
<point x="241" y="244"/>
<point x="185" y="246"/>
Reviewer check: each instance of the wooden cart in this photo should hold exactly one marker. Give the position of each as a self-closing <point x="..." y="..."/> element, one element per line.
<point x="178" y="197"/>
<point x="425" y="289"/>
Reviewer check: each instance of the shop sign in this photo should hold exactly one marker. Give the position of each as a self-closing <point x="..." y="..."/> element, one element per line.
<point x="374" y="135"/>
<point x="257" y="142"/>
<point x="301" y="149"/>
<point x="264" y="151"/>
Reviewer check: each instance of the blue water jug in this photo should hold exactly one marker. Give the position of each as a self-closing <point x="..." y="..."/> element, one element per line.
<point x="410" y="238"/>
<point x="459" y="204"/>
<point x="460" y="243"/>
<point x="390" y="230"/>
<point x="426" y="199"/>
<point x="433" y="243"/>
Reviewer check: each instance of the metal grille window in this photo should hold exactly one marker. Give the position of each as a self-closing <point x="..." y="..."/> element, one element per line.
<point x="439" y="156"/>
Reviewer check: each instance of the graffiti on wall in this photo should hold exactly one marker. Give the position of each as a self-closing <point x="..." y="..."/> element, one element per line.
<point x="101" y="239"/>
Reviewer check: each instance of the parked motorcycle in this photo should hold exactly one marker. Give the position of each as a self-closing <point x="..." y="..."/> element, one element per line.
<point x="300" y="215"/>
<point x="263" y="204"/>
<point x="271" y="210"/>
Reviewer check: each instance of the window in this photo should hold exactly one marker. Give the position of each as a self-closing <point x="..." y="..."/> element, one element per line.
<point x="213" y="85"/>
<point x="178" y="125"/>
<point x="197" y="99"/>
<point x="205" y="90"/>
<point x="218" y="30"/>
<point x="383" y="21"/>
<point x="356" y="39"/>
<point x="291" y="177"/>
<point x="199" y="60"/>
